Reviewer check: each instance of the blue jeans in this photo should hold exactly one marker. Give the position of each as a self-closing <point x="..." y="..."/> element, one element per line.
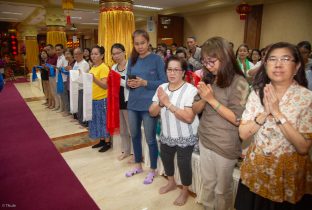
<point x="149" y="124"/>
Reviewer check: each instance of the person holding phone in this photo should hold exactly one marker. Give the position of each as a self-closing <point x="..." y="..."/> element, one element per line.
<point x="150" y="73"/>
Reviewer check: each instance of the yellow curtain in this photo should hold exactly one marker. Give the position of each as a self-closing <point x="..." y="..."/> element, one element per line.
<point x="56" y="37"/>
<point x="115" y="27"/>
<point x="32" y="53"/>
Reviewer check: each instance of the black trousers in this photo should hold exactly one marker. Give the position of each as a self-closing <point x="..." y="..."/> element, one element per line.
<point x="184" y="157"/>
<point x="247" y="200"/>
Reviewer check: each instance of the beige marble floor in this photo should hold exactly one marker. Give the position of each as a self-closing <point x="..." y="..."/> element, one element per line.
<point x="102" y="175"/>
<point x="54" y="124"/>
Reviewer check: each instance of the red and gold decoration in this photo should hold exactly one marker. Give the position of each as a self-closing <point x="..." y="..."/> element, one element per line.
<point x="116" y="25"/>
<point x="243" y="9"/>
<point x="67" y="5"/>
<point x="13" y="42"/>
<point x="72" y="44"/>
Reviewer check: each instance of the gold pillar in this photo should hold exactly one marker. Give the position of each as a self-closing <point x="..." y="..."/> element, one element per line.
<point x="116" y="25"/>
<point x="29" y="34"/>
<point x="32" y="52"/>
<point x="55" y="21"/>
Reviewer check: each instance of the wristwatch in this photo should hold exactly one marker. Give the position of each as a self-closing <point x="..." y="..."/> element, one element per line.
<point x="281" y="121"/>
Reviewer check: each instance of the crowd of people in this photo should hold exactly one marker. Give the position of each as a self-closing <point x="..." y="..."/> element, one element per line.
<point x="264" y="95"/>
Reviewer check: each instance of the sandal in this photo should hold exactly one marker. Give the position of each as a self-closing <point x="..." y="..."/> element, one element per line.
<point x="134" y="172"/>
<point x="150" y="177"/>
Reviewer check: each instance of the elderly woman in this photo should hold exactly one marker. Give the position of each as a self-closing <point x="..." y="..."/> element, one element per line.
<point x="173" y="101"/>
<point x="277" y="171"/>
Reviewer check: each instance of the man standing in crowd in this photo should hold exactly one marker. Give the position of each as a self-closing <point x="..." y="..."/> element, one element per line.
<point x="193" y="53"/>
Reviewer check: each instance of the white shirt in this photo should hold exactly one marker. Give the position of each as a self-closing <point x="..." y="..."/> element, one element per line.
<point x="62" y="62"/>
<point x="122" y="81"/>
<point x="174" y="131"/>
<point x="84" y="67"/>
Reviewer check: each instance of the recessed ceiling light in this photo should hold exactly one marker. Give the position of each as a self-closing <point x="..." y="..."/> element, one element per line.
<point x="12" y="13"/>
<point x="147" y="7"/>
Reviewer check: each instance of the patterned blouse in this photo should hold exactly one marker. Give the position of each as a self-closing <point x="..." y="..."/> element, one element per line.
<point x="272" y="168"/>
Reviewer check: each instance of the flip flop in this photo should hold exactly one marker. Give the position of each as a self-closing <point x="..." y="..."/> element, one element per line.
<point x="134" y="172"/>
<point x="149" y="178"/>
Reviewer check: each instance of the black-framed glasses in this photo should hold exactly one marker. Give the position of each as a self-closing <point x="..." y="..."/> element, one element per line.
<point x="210" y="62"/>
<point x="283" y="60"/>
<point x="117" y="53"/>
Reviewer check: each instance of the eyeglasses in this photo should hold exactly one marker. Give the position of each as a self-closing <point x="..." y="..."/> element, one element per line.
<point x="117" y="53"/>
<point x="209" y="62"/>
<point x="173" y="70"/>
<point x="283" y="60"/>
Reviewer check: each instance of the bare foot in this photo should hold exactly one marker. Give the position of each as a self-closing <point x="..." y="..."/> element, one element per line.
<point x="131" y="160"/>
<point x="123" y="156"/>
<point x="181" y="200"/>
<point x="167" y="188"/>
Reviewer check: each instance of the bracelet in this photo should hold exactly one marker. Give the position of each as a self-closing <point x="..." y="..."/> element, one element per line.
<point x="218" y="106"/>
<point x="160" y="105"/>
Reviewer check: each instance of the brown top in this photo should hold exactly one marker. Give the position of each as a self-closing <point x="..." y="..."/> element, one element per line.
<point x="215" y="132"/>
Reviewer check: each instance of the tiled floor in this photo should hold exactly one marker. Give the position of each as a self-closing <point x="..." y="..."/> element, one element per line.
<point x="100" y="173"/>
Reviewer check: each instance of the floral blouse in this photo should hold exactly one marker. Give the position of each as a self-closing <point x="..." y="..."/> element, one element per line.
<point x="272" y="168"/>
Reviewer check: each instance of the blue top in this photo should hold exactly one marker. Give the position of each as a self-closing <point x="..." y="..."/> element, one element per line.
<point x="152" y="69"/>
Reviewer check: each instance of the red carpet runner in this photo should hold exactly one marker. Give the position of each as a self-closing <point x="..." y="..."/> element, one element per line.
<point x="33" y="175"/>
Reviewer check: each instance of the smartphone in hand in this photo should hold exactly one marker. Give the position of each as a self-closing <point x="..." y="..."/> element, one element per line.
<point x="131" y="76"/>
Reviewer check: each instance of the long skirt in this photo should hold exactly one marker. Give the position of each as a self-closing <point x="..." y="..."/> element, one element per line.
<point x="97" y="126"/>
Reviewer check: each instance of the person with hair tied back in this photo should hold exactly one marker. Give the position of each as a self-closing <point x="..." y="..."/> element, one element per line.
<point x="119" y="57"/>
<point x="222" y="101"/>
<point x="97" y="126"/>
<point x="145" y="73"/>
<point x="276" y="173"/>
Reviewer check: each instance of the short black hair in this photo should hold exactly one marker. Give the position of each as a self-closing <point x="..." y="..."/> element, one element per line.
<point x="118" y="46"/>
<point x="305" y="45"/>
<point x="60" y="45"/>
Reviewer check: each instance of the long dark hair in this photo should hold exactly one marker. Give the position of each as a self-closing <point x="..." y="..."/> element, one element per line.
<point x="261" y="78"/>
<point x="219" y="48"/>
<point x="134" y="53"/>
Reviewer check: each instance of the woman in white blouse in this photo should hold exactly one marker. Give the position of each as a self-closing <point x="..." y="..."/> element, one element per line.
<point x="119" y="57"/>
<point x="173" y="101"/>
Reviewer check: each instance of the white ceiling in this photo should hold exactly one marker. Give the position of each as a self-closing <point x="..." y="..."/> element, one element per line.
<point x="85" y="13"/>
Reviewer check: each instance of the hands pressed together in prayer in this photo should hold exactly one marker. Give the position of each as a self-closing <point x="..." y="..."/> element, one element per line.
<point x="271" y="101"/>
<point x="205" y="92"/>
<point x="163" y="97"/>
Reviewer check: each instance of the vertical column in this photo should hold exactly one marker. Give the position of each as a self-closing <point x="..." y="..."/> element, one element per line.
<point x="116" y="25"/>
<point x="55" y="21"/>
<point x="29" y="34"/>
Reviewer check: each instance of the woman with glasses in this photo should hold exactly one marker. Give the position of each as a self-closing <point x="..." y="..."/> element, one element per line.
<point x="145" y="74"/>
<point x="221" y="101"/>
<point x="173" y="101"/>
<point x="277" y="170"/>
<point x="119" y="57"/>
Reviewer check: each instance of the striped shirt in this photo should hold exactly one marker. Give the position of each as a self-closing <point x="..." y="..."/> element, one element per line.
<point x="174" y="131"/>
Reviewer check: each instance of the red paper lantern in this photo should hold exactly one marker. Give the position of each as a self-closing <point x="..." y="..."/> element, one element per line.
<point x="68" y="20"/>
<point x="243" y="9"/>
